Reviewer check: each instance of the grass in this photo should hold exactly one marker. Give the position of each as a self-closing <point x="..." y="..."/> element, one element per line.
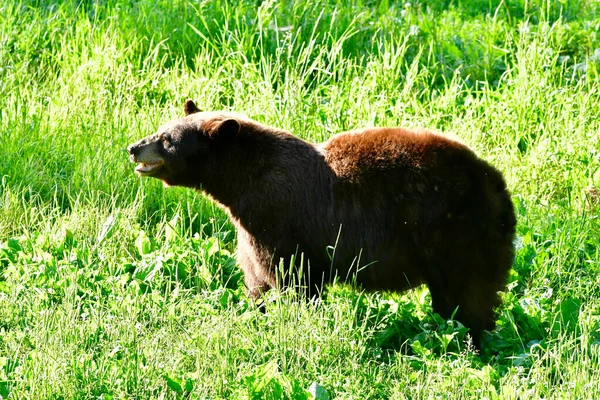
<point x="113" y="287"/>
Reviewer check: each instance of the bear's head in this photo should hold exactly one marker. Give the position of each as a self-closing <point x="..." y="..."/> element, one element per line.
<point x="183" y="152"/>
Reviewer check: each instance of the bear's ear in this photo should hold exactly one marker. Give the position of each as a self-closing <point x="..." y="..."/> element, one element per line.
<point x="190" y="107"/>
<point x="227" y="129"/>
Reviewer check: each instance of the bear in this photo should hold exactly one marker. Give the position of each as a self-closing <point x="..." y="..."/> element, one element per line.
<point x="386" y="208"/>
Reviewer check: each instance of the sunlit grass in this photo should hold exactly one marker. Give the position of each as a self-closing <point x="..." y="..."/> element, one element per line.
<point x="115" y="287"/>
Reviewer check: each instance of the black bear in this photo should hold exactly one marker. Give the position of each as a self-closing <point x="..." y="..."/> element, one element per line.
<point x="391" y="208"/>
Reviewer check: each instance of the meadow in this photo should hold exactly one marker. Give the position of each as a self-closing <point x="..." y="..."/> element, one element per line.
<point x="113" y="287"/>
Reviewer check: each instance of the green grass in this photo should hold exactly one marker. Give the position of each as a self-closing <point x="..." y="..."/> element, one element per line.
<point x="114" y="287"/>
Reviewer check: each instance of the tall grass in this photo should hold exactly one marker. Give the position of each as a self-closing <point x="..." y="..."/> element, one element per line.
<point x="114" y="287"/>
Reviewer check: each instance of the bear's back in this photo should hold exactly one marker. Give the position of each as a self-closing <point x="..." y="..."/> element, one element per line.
<point x="397" y="154"/>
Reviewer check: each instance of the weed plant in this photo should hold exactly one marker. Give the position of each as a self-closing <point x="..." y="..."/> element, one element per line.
<point x="112" y="287"/>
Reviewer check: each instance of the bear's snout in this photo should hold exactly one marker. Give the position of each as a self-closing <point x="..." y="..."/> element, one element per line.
<point x="146" y="155"/>
<point x="140" y="150"/>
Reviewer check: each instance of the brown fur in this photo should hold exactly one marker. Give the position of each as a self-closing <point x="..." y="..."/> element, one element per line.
<point x="402" y="207"/>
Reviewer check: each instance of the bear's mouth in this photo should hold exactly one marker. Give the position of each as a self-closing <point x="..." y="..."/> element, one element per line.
<point x="146" y="168"/>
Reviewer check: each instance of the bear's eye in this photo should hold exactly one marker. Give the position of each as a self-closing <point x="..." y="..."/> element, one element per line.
<point x="165" y="138"/>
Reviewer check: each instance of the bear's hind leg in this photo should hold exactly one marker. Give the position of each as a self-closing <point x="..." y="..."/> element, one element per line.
<point x="470" y="273"/>
<point x="479" y="311"/>
<point x="466" y="268"/>
<point x="473" y="304"/>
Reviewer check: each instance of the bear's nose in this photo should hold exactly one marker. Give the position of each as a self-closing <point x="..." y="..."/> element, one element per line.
<point x="132" y="149"/>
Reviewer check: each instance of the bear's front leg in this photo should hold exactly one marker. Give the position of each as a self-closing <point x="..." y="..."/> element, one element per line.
<point x="255" y="279"/>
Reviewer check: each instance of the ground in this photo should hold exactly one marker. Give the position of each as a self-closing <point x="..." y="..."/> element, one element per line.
<point x="115" y="288"/>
